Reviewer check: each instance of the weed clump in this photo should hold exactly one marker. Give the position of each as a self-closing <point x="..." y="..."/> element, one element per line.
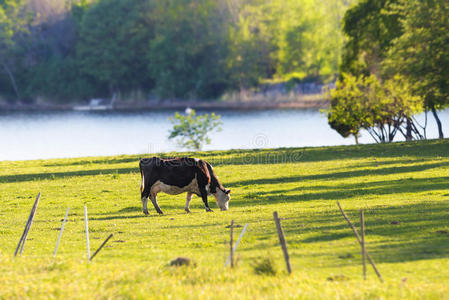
<point x="339" y="277"/>
<point x="265" y="266"/>
<point x="182" y="261"/>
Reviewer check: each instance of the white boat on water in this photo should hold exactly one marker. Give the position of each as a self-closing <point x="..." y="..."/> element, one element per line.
<point x="96" y="104"/>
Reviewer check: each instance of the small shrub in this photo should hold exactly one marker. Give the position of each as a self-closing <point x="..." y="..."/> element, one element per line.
<point x="265" y="266"/>
<point x="192" y="131"/>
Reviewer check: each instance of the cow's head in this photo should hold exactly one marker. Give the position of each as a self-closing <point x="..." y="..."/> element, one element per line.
<point x="222" y="197"/>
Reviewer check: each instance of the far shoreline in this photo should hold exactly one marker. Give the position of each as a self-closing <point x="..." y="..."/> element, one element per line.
<point x="178" y="105"/>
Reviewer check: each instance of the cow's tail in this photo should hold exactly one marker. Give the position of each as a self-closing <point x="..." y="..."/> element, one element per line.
<point x="144" y="163"/>
<point x="142" y="184"/>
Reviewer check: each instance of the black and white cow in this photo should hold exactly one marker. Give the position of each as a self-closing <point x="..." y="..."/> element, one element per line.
<point x="180" y="175"/>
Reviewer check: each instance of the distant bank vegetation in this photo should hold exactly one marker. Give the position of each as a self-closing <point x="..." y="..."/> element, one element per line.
<point x="395" y="65"/>
<point x="189" y="49"/>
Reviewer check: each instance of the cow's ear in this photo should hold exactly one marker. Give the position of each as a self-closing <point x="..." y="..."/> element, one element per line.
<point x="227" y="191"/>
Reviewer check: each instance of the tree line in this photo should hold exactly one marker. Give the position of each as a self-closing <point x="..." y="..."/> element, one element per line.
<point x="395" y="65"/>
<point x="65" y="51"/>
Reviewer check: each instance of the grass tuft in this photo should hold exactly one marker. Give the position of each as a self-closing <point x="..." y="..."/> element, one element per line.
<point x="265" y="266"/>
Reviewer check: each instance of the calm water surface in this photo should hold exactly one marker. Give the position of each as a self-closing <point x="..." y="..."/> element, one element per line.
<point x="40" y="135"/>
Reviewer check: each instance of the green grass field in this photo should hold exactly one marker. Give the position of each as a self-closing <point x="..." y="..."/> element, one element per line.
<point x="404" y="183"/>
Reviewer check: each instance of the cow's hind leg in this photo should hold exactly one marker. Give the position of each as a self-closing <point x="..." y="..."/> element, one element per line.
<point x="189" y="198"/>
<point x="153" y="198"/>
<point x="144" y="205"/>
<point x="145" y="193"/>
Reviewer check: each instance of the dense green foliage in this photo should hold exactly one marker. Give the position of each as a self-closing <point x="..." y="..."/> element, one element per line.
<point x="110" y="48"/>
<point x="371" y="26"/>
<point x="422" y="52"/>
<point x="387" y="39"/>
<point x="171" y="49"/>
<point x="401" y="186"/>
<point x="11" y="26"/>
<point x="193" y="131"/>
<point x="187" y="57"/>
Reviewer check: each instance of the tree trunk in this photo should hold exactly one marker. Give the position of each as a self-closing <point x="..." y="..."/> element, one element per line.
<point x="408" y="135"/>
<point x="356" y="137"/>
<point x="11" y="78"/>
<point x="437" y="119"/>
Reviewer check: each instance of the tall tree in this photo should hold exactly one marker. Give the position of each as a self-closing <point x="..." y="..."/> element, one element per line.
<point x="370" y="27"/>
<point x="12" y="23"/>
<point x="252" y="45"/>
<point x="188" y="55"/>
<point x="114" y="39"/>
<point x="422" y="52"/>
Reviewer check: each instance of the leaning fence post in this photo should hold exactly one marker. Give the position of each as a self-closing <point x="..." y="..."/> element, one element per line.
<point x="237" y="243"/>
<point x="231" y="244"/>
<point x="27" y="226"/>
<point x="101" y="246"/>
<point x="282" y="241"/>
<point x="60" y="232"/>
<point x="360" y="242"/>
<point x="87" y="232"/>
<point x="362" y="231"/>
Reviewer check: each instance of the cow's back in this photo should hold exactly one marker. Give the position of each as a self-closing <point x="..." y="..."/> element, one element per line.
<point x="176" y="171"/>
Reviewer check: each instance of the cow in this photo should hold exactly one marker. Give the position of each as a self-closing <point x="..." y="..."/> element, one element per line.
<point x="179" y="175"/>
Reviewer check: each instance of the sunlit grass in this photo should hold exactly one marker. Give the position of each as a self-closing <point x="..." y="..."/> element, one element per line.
<point x="407" y="184"/>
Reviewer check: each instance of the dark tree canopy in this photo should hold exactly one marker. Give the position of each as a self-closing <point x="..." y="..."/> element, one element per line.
<point x="167" y="48"/>
<point x="371" y="26"/>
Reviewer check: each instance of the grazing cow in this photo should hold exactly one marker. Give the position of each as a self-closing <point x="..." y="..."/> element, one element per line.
<point x="180" y="175"/>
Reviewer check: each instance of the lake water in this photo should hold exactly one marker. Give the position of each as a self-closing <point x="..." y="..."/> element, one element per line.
<point x="41" y="135"/>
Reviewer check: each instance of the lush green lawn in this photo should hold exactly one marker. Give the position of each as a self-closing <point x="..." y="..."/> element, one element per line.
<point x="407" y="183"/>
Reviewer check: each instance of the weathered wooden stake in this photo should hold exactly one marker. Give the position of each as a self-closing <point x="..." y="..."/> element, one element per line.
<point x="98" y="250"/>
<point x="231" y="243"/>
<point x="282" y="241"/>
<point x="27" y="226"/>
<point x="360" y="242"/>
<point x="236" y="243"/>
<point x="362" y="231"/>
<point x="60" y="231"/>
<point x="87" y="232"/>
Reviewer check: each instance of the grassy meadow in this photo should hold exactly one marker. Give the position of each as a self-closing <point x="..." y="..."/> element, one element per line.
<point x="403" y="188"/>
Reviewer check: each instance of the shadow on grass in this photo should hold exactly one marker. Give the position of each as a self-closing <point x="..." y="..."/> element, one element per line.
<point x="105" y="160"/>
<point x="55" y="175"/>
<point x="422" y="149"/>
<point x="121" y="217"/>
<point x="339" y="175"/>
<point x="343" y="191"/>
<point x="418" y="235"/>
<point x="330" y="176"/>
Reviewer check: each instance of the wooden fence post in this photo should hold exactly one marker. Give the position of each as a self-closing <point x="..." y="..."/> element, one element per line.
<point x="360" y="242"/>
<point x="27" y="226"/>
<point x="87" y="232"/>
<point x="60" y="232"/>
<point x="101" y="246"/>
<point x="282" y="241"/>
<point x="362" y="231"/>
<point x="231" y="244"/>
<point x="237" y="243"/>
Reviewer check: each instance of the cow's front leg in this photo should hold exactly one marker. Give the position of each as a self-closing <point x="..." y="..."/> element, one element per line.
<point x="144" y="204"/>
<point x="153" y="198"/>
<point x="189" y="198"/>
<point x="204" y="197"/>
